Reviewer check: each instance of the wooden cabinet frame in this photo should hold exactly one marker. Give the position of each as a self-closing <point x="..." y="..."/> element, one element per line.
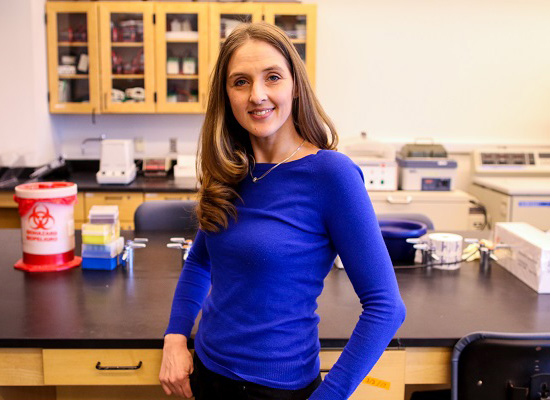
<point x="154" y="50"/>
<point x="310" y="12"/>
<point x="52" y="11"/>
<point x="201" y="10"/>
<point x="105" y="11"/>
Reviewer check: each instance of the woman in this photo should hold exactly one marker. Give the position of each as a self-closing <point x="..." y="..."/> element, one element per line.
<point x="277" y="204"/>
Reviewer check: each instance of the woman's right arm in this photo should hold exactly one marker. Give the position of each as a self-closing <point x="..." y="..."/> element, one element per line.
<point x="192" y="288"/>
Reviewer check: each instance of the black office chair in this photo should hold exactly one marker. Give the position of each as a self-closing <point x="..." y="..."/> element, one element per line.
<point x="501" y="366"/>
<point x="410" y="216"/>
<point x="166" y="216"/>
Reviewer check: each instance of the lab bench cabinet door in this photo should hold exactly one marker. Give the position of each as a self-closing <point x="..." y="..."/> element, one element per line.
<point x="156" y="196"/>
<point x="299" y="21"/>
<point x="101" y="366"/>
<point x="224" y="17"/>
<point x="386" y="380"/>
<point x="181" y="57"/>
<point x="127" y="57"/>
<point x="73" y="58"/>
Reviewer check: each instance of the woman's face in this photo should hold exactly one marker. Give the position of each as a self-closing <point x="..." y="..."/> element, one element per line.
<point x="260" y="89"/>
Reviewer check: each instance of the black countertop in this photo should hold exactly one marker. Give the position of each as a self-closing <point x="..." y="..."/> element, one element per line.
<point x="130" y="309"/>
<point x="82" y="172"/>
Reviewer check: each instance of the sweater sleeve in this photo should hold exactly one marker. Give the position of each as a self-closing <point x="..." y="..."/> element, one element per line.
<point x="192" y="288"/>
<point x="354" y="230"/>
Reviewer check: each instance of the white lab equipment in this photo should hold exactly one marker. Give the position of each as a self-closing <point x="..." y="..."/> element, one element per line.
<point x="448" y="210"/>
<point x="513" y="184"/>
<point x="425" y="166"/>
<point x="376" y="160"/>
<point x="116" y="165"/>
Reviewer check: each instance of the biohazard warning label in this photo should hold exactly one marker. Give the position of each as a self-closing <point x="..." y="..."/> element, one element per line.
<point x="379" y="383"/>
<point x="40" y="224"/>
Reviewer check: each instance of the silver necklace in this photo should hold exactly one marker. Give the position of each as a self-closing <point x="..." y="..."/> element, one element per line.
<point x="256" y="179"/>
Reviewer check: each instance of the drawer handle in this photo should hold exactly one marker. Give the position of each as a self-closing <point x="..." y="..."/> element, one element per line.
<point x="406" y="200"/>
<point x="322" y="371"/>
<point x="98" y="366"/>
<point x="113" y="197"/>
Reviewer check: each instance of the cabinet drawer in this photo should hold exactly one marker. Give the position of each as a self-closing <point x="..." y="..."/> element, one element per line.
<point x="79" y="367"/>
<point x="171" y="196"/>
<point x="21" y="367"/>
<point x="385" y="381"/>
<point x="126" y="202"/>
<point x="6" y="200"/>
<point x="79" y="208"/>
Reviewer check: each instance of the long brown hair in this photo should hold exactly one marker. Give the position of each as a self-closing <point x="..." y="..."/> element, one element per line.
<point x="224" y="151"/>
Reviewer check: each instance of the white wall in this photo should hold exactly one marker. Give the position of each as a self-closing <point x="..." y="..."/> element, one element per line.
<point x="25" y="122"/>
<point x="460" y="71"/>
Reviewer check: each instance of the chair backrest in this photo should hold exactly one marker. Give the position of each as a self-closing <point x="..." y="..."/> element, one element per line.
<point x="166" y="215"/>
<point x="410" y="216"/>
<point x="501" y="366"/>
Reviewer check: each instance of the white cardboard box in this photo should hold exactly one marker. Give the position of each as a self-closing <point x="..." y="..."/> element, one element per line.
<point x="528" y="257"/>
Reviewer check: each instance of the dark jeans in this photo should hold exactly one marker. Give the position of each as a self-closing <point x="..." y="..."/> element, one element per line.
<point x="207" y="385"/>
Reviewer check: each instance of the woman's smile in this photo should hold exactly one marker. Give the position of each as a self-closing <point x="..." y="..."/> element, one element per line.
<point x="261" y="113"/>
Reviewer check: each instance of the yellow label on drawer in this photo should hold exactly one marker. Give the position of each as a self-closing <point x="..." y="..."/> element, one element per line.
<point x="379" y="383"/>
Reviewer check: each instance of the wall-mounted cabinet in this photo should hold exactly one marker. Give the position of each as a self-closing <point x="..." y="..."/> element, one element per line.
<point x="73" y="57"/>
<point x="151" y="57"/>
<point x="299" y="21"/>
<point x="127" y="57"/>
<point x="224" y="17"/>
<point x="181" y="57"/>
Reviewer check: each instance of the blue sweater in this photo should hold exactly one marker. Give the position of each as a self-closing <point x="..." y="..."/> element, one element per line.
<point x="266" y="271"/>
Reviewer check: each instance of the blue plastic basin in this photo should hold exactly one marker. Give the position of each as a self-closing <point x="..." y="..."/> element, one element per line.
<point x="396" y="232"/>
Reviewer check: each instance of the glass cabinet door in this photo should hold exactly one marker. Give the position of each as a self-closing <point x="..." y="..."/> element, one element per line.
<point x="300" y="23"/>
<point x="127" y="61"/>
<point x="73" y="59"/>
<point x="182" y="57"/>
<point x="224" y="18"/>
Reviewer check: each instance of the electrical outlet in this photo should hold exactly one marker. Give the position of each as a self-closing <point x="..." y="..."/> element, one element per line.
<point x="173" y="145"/>
<point x="139" y="145"/>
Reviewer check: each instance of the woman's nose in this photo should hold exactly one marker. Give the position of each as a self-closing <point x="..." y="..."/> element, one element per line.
<point x="257" y="93"/>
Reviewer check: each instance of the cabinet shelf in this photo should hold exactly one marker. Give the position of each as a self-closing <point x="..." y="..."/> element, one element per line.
<point x="72" y="44"/>
<point x="72" y="76"/>
<point x="126" y="44"/>
<point x="182" y="76"/>
<point x="128" y="76"/>
<point x="298" y="41"/>
<point x="182" y="41"/>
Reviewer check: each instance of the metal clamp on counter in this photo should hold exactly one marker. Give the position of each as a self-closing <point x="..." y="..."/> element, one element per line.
<point x="486" y="250"/>
<point x="181" y="243"/>
<point x="128" y="252"/>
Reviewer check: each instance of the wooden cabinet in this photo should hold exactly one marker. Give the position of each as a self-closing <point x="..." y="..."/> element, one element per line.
<point x="73" y="58"/>
<point x="127" y="57"/>
<point x="299" y="21"/>
<point x="224" y="17"/>
<point x="101" y="366"/>
<point x="21" y="367"/>
<point x="181" y="57"/>
<point x="151" y="57"/>
<point x="74" y="373"/>
<point x="127" y="203"/>
<point x="170" y="196"/>
<point x="9" y="216"/>
<point x="386" y="380"/>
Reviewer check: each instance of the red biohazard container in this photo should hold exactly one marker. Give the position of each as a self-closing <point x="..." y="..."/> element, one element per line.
<point x="47" y="226"/>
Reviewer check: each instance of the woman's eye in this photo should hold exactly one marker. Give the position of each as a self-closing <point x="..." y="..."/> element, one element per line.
<point x="273" y="78"/>
<point x="239" y="82"/>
